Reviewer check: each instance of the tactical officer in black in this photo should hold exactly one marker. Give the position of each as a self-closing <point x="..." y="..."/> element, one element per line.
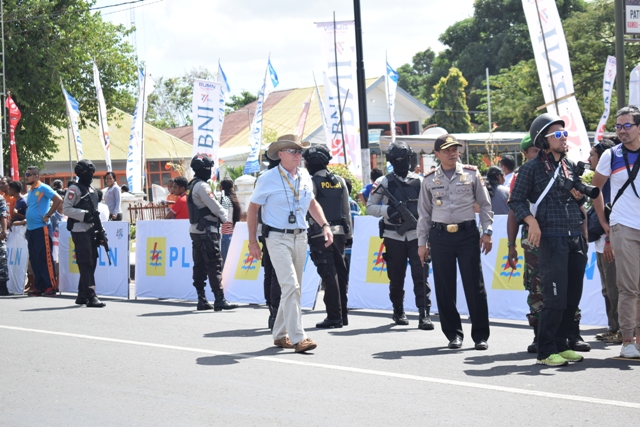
<point x="205" y="216"/>
<point x="81" y="206"/>
<point x="401" y="243"/>
<point x="332" y="195"/>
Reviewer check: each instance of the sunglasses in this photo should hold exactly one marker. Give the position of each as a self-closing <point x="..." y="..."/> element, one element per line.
<point x="293" y="151"/>
<point x="626" y="126"/>
<point x="27" y="174"/>
<point x="558" y="134"/>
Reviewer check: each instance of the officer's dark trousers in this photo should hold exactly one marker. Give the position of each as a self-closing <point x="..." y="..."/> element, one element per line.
<point x="561" y="261"/>
<point x="272" y="291"/>
<point x="396" y="254"/>
<point x="332" y="269"/>
<point x="207" y="262"/>
<point x="87" y="260"/>
<point x="41" y="258"/>
<point x="463" y="247"/>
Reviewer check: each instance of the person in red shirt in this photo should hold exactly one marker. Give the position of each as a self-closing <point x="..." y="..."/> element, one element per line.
<point x="179" y="209"/>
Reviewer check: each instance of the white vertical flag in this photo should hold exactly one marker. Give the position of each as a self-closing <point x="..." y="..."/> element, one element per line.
<point x="325" y="126"/>
<point x="208" y="116"/>
<point x="255" y="135"/>
<point x="391" y="78"/>
<point x="73" y="112"/>
<point x="607" y="86"/>
<point x="342" y="73"/>
<point x="545" y="28"/>
<point x="634" y="87"/>
<point x="134" y="156"/>
<point x="103" y="130"/>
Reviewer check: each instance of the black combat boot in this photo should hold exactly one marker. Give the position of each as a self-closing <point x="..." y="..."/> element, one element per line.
<point x="95" y="302"/>
<point x="203" y="304"/>
<point x="221" y="303"/>
<point x="273" y="312"/>
<point x="424" y="322"/>
<point x="399" y="317"/>
<point x="3" y="288"/>
<point x="533" y="347"/>
<point x="575" y="341"/>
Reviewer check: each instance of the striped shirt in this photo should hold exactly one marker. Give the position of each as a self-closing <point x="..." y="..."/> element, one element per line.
<point x="227" y="227"/>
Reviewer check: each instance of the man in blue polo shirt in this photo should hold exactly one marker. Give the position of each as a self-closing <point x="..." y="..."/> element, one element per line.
<point x="42" y="202"/>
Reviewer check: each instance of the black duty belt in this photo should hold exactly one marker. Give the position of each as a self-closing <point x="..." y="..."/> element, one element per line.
<point x="454" y="228"/>
<point x="287" y="230"/>
<point x="394" y="227"/>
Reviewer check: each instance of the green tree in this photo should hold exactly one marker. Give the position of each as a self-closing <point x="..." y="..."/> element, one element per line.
<point x="413" y="76"/>
<point x="236" y="102"/>
<point x="450" y="103"/>
<point x="48" y="42"/>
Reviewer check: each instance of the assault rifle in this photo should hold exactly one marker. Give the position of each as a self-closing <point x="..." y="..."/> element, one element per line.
<point x="409" y="222"/>
<point x="99" y="232"/>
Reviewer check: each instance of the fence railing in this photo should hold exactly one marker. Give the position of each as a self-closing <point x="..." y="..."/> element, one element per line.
<point x="145" y="211"/>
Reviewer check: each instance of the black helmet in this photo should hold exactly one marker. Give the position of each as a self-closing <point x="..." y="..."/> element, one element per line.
<point x="317" y="154"/>
<point x="201" y="161"/>
<point x="84" y="166"/>
<point x="398" y="149"/>
<point x="540" y="126"/>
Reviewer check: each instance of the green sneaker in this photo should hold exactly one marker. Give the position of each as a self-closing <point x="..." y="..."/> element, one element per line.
<point x="571" y="356"/>
<point x="553" y="360"/>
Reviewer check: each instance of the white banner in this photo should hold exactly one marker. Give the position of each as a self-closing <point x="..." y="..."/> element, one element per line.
<point x="103" y="130"/>
<point x="391" y="79"/>
<point x="634" y="86"/>
<point x="343" y="73"/>
<point x="507" y="299"/>
<point x="111" y="280"/>
<point x="17" y="259"/>
<point x="560" y="83"/>
<point x="134" y="156"/>
<point x="255" y="135"/>
<point x="323" y="115"/>
<point x="607" y="86"/>
<point x="208" y="116"/>
<point x="73" y="112"/>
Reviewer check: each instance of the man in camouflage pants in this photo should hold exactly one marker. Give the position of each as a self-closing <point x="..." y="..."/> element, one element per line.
<point x="531" y="276"/>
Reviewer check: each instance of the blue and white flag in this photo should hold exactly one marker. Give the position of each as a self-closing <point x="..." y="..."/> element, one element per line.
<point x="222" y="78"/>
<point x="255" y="135"/>
<point x="102" y="117"/>
<point x="134" y="156"/>
<point x="391" y="78"/>
<point x="73" y="112"/>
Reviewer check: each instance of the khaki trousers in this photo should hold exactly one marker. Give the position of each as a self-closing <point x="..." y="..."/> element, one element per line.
<point x="626" y="246"/>
<point x="288" y="254"/>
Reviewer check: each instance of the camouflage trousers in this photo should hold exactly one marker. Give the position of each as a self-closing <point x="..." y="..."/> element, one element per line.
<point x="4" y="268"/>
<point x="532" y="282"/>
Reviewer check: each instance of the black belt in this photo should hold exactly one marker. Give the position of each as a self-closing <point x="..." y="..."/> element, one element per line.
<point x="394" y="227"/>
<point x="453" y="228"/>
<point x="287" y="230"/>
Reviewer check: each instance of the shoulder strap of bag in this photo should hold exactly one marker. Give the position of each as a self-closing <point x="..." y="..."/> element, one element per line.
<point x="534" y="207"/>
<point x="632" y="176"/>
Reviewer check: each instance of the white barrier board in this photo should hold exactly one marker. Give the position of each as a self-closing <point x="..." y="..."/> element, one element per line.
<point x="17" y="259"/>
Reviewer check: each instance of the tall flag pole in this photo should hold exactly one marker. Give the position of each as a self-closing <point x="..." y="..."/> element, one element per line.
<point x="102" y="117"/>
<point x="391" y="78"/>
<point x="303" y="116"/>
<point x="255" y="135"/>
<point x="14" y="119"/>
<point x="134" y="156"/>
<point x="73" y="112"/>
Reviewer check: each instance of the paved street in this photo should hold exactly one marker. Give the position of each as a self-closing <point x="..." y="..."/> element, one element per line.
<point x="161" y="363"/>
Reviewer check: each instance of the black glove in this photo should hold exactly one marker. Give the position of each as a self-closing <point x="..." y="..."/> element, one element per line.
<point x="348" y="243"/>
<point x="88" y="217"/>
<point x="395" y="217"/>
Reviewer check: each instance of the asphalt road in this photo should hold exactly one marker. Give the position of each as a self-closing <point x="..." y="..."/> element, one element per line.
<point x="162" y="363"/>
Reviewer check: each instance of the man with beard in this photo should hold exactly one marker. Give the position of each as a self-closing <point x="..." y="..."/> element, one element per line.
<point x="404" y="186"/>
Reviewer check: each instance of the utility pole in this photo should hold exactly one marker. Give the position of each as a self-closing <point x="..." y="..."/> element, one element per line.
<point x="620" y="66"/>
<point x="362" y="95"/>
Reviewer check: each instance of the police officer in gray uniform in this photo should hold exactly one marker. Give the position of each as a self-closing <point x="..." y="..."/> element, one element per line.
<point x="405" y="188"/>
<point x="81" y="206"/>
<point x="332" y="195"/>
<point x="447" y="223"/>
<point x="205" y="216"/>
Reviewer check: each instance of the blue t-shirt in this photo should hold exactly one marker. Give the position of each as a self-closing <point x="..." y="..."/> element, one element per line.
<point x="38" y="203"/>
<point x="21" y="208"/>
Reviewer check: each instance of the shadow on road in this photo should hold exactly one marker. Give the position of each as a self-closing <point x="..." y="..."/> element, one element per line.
<point x="167" y="313"/>
<point x="533" y="369"/>
<point x="53" y="308"/>
<point x="240" y="333"/>
<point x="232" y="359"/>
<point x="377" y="330"/>
<point x="420" y="352"/>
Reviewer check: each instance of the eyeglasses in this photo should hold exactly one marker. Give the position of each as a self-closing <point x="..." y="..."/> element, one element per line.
<point x="293" y="151"/>
<point x="558" y="134"/>
<point x="27" y="174"/>
<point x="626" y="126"/>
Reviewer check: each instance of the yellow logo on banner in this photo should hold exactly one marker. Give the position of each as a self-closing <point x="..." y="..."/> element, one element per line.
<point x="156" y="256"/>
<point x="376" y="265"/>
<point x="248" y="267"/>
<point x="504" y="277"/>
<point x="73" y="265"/>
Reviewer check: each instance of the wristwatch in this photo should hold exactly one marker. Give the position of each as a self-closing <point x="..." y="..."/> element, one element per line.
<point x="326" y="224"/>
<point x="488" y="232"/>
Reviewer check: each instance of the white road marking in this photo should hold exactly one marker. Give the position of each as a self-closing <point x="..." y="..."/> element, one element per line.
<point x="537" y="393"/>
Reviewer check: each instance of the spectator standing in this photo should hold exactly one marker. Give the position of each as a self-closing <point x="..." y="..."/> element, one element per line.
<point x="232" y="205"/>
<point x="112" y="197"/>
<point x="4" y="191"/>
<point x="366" y="191"/>
<point x="4" y="270"/>
<point x="508" y="165"/>
<point x="498" y="192"/>
<point x="19" y="211"/>
<point x="178" y="209"/>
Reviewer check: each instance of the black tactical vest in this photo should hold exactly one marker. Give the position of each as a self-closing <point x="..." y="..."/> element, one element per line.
<point x="329" y="196"/>
<point x="88" y="202"/>
<point x="407" y="192"/>
<point x="196" y="214"/>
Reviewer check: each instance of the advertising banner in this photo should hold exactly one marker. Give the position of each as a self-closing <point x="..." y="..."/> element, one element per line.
<point x="607" y="86"/>
<point x="103" y="130"/>
<point x="208" y="117"/>
<point x="17" y="259"/>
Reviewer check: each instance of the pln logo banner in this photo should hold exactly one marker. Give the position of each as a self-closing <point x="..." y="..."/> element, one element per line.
<point x="504" y="277"/>
<point x="156" y="254"/>
<point x="73" y="265"/>
<point x="376" y="265"/>
<point x="248" y="267"/>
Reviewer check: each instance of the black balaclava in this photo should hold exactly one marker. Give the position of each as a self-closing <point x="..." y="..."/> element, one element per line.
<point x="84" y="170"/>
<point x="203" y="174"/>
<point x="401" y="166"/>
<point x="399" y="155"/>
<point x="314" y="166"/>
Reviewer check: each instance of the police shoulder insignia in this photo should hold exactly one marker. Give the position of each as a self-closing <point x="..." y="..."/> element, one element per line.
<point x="72" y="192"/>
<point x="429" y="173"/>
<point x="470" y="167"/>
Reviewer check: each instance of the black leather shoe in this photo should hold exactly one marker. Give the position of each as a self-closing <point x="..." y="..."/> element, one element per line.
<point x="455" y="343"/>
<point x="345" y="321"/>
<point x="223" y="305"/>
<point x="576" y="343"/>
<point x="81" y="300"/>
<point x="400" y="318"/>
<point x="329" y="324"/>
<point x="533" y="347"/>
<point x="95" y="302"/>
<point x="425" y="324"/>
<point x="482" y="345"/>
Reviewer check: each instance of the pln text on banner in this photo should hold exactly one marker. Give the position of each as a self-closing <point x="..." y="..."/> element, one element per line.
<point x="208" y="117"/>
<point x="17" y="259"/>
<point x="341" y="91"/>
<point x="554" y="70"/>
